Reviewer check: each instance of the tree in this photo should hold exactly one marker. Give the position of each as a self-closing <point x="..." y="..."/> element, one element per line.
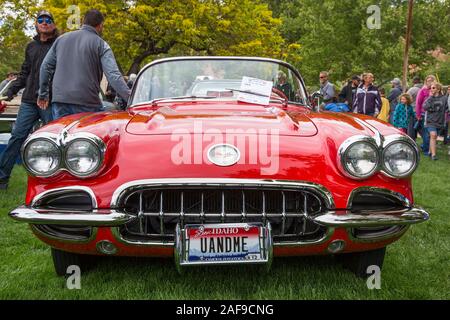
<point x="141" y="30"/>
<point x="13" y="39"/>
<point x="334" y="35"/>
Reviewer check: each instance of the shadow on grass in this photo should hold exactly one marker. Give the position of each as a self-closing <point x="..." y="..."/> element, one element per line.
<point x="307" y="263"/>
<point x="315" y="275"/>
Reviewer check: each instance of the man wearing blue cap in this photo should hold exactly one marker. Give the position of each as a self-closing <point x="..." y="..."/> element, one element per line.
<point x="29" y="111"/>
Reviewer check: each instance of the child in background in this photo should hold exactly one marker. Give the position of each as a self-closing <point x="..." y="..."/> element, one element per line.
<point x="385" y="107"/>
<point x="403" y="113"/>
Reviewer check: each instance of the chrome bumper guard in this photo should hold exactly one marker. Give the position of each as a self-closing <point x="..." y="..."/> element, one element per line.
<point x="112" y="218"/>
<point x="95" y="218"/>
<point x="349" y="219"/>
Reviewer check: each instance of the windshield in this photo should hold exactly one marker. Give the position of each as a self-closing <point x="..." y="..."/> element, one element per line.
<point x="216" y="78"/>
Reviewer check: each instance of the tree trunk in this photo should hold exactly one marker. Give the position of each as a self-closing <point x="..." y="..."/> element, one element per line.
<point x="407" y="44"/>
<point x="135" y="66"/>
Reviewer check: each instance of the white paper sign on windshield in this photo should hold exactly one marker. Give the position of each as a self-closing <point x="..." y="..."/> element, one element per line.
<point x="260" y="91"/>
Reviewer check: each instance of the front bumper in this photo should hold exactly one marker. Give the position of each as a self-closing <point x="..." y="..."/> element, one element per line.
<point x="112" y="218"/>
<point x="349" y="219"/>
<point x="95" y="218"/>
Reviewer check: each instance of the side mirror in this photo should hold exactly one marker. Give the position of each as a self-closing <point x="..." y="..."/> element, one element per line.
<point x="316" y="95"/>
<point x="315" y="99"/>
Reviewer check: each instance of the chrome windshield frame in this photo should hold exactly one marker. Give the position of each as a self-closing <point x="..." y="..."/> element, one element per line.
<point x="219" y="58"/>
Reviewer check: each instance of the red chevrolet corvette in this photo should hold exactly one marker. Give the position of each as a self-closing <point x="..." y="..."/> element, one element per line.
<point x="219" y="160"/>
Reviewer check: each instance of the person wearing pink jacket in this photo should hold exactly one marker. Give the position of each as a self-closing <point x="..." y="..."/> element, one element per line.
<point x="422" y="96"/>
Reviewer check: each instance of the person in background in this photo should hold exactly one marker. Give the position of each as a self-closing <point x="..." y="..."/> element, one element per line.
<point x="131" y="80"/>
<point x="347" y="94"/>
<point x="368" y="98"/>
<point x="385" y="107"/>
<point x="29" y="112"/>
<point x="326" y="89"/>
<point x="283" y="85"/>
<point x="422" y="95"/>
<point x="413" y="91"/>
<point x="404" y="113"/>
<point x="85" y="56"/>
<point x="435" y="107"/>
<point x="11" y="76"/>
<point x="394" y="94"/>
<point x="447" y="118"/>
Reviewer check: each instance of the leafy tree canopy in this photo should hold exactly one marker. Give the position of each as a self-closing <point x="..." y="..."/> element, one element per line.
<point x="141" y="30"/>
<point x="334" y="36"/>
<point x="314" y="35"/>
<point x="13" y="39"/>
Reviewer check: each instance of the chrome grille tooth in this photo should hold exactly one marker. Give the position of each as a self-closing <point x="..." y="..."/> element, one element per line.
<point x="222" y="214"/>
<point x="243" y="213"/>
<point x="182" y="209"/>
<point x="305" y="212"/>
<point x="141" y="212"/>
<point x="283" y="214"/>
<point x="264" y="217"/>
<point x="161" y="213"/>
<point x="202" y="208"/>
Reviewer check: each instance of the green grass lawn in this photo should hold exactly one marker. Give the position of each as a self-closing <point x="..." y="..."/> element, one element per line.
<point x="416" y="267"/>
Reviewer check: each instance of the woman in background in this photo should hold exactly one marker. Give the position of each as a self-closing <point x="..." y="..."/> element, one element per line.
<point x="435" y="107"/>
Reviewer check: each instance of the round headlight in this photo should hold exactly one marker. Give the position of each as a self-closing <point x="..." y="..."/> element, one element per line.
<point x="83" y="157"/>
<point x="399" y="159"/>
<point x="42" y="157"/>
<point x="359" y="159"/>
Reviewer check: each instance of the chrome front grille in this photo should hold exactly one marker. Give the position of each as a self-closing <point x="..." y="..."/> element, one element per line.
<point x="160" y="209"/>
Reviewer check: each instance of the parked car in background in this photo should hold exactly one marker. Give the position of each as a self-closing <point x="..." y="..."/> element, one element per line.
<point x="9" y="111"/>
<point x="223" y="175"/>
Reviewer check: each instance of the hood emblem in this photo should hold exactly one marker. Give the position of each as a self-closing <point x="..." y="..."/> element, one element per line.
<point x="224" y="155"/>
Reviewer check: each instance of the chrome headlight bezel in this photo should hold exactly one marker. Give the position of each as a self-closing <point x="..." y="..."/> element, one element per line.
<point x="347" y="145"/>
<point x="399" y="139"/>
<point x="62" y="142"/>
<point x="48" y="137"/>
<point x="96" y="142"/>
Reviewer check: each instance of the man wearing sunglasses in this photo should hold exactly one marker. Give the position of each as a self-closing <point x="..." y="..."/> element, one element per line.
<point x="29" y="112"/>
<point x="77" y="62"/>
<point x="327" y="89"/>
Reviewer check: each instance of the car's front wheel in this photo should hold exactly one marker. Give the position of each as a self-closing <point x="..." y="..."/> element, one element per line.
<point x="359" y="262"/>
<point x="62" y="260"/>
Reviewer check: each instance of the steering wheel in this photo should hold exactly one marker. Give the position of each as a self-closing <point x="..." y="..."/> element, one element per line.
<point x="280" y="94"/>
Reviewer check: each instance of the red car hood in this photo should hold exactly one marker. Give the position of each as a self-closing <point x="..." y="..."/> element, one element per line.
<point x="209" y="117"/>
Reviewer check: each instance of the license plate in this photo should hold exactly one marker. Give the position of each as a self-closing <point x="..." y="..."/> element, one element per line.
<point x="223" y="244"/>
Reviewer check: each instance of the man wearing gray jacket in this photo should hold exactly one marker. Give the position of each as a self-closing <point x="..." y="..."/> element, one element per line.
<point x="77" y="61"/>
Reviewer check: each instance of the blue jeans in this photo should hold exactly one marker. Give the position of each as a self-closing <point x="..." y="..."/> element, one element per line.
<point x="425" y="136"/>
<point x="29" y="114"/>
<point x="65" y="109"/>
